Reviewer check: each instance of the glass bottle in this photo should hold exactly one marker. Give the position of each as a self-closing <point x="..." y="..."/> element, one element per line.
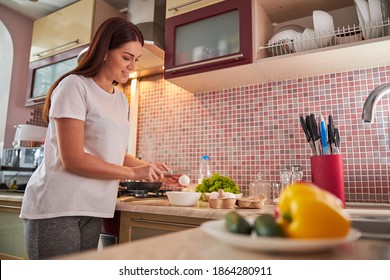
<point x="204" y="169"/>
<point x="275" y="190"/>
<point x="14" y="186"/>
<point x="296" y="174"/>
<point x="285" y="178"/>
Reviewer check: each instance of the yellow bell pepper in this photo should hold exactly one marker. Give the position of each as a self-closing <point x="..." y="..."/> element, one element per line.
<point x="307" y="211"/>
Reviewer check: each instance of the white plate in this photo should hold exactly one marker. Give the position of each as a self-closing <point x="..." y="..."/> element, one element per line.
<point x="375" y="17"/>
<point x="323" y="27"/>
<point x="363" y="13"/>
<point x="217" y="230"/>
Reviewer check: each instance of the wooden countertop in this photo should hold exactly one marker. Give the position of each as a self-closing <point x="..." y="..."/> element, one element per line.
<point x="11" y="196"/>
<point x="199" y="245"/>
<point x="195" y="244"/>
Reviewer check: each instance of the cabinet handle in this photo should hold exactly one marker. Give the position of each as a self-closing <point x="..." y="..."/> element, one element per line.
<point x="175" y="8"/>
<point x="160" y="223"/>
<point x="58" y="47"/>
<point x="232" y="57"/>
<point x="38" y="99"/>
<point x="10" y="207"/>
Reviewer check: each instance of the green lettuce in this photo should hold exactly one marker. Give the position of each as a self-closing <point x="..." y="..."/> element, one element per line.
<point x="216" y="182"/>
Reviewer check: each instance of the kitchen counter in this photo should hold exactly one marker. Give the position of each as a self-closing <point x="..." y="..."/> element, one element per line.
<point x="194" y="243"/>
<point x="11" y="196"/>
<point x="199" y="245"/>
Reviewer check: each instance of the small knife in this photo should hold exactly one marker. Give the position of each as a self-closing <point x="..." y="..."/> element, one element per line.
<point x="307" y="134"/>
<point x="314" y="133"/>
<point x="337" y="138"/>
<point x="331" y="138"/>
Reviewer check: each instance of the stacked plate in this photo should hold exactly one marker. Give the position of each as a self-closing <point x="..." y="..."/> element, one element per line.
<point x="291" y="39"/>
<point x="324" y="28"/>
<point x="371" y="15"/>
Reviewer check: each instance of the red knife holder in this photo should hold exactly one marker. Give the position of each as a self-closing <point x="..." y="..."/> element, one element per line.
<point x="327" y="172"/>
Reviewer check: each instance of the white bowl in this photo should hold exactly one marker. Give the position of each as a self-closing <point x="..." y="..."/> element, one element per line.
<point x="323" y="27"/>
<point x="183" y="198"/>
<point x="283" y="42"/>
<point x="306" y="41"/>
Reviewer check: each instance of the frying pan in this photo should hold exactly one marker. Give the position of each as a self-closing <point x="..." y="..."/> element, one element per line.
<point x="141" y="186"/>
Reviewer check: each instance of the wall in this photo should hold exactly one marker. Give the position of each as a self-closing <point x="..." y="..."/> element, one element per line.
<point x="256" y="128"/>
<point x="6" y="58"/>
<point x="20" y="29"/>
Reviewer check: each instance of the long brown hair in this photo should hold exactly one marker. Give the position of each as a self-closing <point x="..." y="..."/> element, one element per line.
<point x="110" y="35"/>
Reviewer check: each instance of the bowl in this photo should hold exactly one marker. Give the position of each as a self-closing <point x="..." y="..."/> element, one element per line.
<point x="283" y="42"/>
<point x="183" y="198"/>
<point x="308" y="42"/>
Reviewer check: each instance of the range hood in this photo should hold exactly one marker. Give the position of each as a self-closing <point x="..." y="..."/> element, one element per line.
<point x="149" y="16"/>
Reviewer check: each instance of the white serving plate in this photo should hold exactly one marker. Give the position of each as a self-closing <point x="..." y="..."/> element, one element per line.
<point x="217" y="230"/>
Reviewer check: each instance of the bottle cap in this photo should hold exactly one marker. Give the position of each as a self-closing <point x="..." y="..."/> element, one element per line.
<point x="205" y="157"/>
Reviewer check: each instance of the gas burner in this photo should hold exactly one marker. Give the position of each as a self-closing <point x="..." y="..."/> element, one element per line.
<point x="142" y="193"/>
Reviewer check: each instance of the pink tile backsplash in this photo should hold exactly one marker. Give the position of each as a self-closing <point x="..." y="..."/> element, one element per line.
<point x="256" y="128"/>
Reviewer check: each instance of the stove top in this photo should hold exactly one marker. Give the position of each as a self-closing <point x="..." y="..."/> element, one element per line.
<point x="142" y="193"/>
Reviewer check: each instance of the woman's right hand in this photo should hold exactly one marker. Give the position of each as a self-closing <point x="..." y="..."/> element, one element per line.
<point x="151" y="172"/>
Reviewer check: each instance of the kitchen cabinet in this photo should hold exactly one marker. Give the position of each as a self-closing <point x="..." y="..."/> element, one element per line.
<point x="135" y="226"/>
<point x="178" y="7"/>
<point x="228" y="42"/>
<point x="264" y="68"/>
<point x="44" y="72"/>
<point x="11" y="231"/>
<point x="70" y="27"/>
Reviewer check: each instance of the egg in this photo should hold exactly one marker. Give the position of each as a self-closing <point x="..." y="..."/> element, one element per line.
<point x="184" y="180"/>
<point x="229" y="195"/>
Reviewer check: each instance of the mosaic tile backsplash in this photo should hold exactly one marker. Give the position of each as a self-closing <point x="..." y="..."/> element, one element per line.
<point x="256" y="128"/>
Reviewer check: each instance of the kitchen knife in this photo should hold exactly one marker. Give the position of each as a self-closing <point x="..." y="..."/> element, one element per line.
<point x="314" y="133"/>
<point x="310" y="129"/>
<point x="307" y="134"/>
<point x="331" y="138"/>
<point x="337" y="138"/>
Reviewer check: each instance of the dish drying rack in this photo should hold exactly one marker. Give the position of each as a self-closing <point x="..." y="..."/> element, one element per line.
<point x="318" y="40"/>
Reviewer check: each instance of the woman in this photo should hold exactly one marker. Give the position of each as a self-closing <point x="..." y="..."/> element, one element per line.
<point x="76" y="184"/>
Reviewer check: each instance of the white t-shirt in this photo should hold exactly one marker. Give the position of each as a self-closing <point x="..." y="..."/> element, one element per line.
<point x="54" y="192"/>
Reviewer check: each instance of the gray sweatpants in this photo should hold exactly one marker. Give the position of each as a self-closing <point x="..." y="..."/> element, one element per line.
<point x="49" y="238"/>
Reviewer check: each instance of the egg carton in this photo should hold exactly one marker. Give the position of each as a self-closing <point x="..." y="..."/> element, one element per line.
<point x="317" y="40"/>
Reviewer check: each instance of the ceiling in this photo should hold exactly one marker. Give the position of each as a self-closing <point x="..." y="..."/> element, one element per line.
<point x="40" y="8"/>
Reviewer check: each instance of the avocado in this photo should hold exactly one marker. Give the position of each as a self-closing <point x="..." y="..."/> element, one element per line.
<point x="265" y="225"/>
<point x="236" y="223"/>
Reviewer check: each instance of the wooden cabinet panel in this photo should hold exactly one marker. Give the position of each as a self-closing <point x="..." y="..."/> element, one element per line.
<point x="178" y="7"/>
<point x="228" y="41"/>
<point x="11" y="231"/>
<point x="135" y="226"/>
<point x="70" y="27"/>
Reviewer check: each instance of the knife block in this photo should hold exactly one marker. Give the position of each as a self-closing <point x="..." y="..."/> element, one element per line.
<point x="327" y="172"/>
